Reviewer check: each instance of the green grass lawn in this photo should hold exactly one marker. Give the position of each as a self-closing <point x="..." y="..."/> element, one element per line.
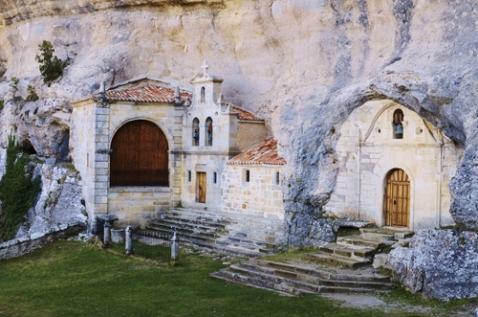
<point x="78" y="279"/>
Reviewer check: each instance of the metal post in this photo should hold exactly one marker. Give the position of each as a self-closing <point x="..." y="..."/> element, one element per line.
<point x="128" y="240"/>
<point x="174" y="247"/>
<point x="106" y="233"/>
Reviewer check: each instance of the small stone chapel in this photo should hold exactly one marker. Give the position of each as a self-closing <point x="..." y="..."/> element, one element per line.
<point x="144" y="147"/>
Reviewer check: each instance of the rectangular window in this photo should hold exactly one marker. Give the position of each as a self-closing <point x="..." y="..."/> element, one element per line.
<point x="247" y="176"/>
<point x="277" y="178"/>
<point x="189" y="176"/>
<point x="214" y="177"/>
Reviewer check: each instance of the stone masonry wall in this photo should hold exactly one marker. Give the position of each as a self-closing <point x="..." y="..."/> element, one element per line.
<point x="257" y="205"/>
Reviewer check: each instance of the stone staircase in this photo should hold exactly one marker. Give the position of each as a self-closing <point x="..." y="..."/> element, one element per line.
<point x="203" y="230"/>
<point x="343" y="266"/>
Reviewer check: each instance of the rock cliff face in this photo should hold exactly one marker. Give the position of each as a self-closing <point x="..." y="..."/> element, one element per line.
<point x="440" y="263"/>
<point x="303" y="64"/>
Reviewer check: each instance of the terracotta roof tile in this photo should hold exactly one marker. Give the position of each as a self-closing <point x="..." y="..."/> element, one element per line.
<point x="264" y="153"/>
<point x="244" y="114"/>
<point x="146" y="92"/>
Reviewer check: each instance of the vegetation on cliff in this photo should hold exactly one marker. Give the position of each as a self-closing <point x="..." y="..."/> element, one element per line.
<point x="51" y="67"/>
<point x="18" y="191"/>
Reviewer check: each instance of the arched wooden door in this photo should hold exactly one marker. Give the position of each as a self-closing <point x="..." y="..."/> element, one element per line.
<point x="139" y="156"/>
<point x="397" y="199"/>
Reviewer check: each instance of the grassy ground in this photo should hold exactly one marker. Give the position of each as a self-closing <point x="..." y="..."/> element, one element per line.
<point x="77" y="279"/>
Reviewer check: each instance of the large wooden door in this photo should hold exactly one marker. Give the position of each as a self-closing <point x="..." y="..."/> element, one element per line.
<point x="139" y="156"/>
<point x="397" y="199"/>
<point x="201" y="185"/>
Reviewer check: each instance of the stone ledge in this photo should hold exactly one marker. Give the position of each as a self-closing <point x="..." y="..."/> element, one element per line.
<point x="24" y="245"/>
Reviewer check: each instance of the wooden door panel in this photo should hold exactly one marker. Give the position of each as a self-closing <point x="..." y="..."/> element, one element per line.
<point x="201" y="186"/>
<point x="139" y="156"/>
<point x="397" y="199"/>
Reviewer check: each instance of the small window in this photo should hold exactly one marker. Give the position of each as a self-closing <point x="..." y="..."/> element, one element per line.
<point x="195" y="132"/>
<point x="214" y="178"/>
<point x="203" y="94"/>
<point x="209" y="130"/>
<point x="397" y="124"/>
<point x="277" y="178"/>
<point x="247" y="176"/>
<point x="189" y="176"/>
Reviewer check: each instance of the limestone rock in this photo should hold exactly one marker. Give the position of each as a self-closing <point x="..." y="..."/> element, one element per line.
<point x="59" y="203"/>
<point x="441" y="264"/>
<point x="304" y="65"/>
<point x="3" y="67"/>
<point x="380" y="261"/>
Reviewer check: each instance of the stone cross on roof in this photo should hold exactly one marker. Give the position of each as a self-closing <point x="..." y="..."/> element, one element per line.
<point x="205" y="67"/>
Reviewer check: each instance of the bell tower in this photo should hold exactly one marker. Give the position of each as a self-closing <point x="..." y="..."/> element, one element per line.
<point x="206" y="88"/>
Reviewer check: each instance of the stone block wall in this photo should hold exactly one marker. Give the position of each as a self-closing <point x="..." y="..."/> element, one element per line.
<point x="137" y="204"/>
<point x="257" y="205"/>
<point x="261" y="196"/>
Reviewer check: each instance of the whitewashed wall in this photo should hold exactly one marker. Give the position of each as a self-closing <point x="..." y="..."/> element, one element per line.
<point x="367" y="151"/>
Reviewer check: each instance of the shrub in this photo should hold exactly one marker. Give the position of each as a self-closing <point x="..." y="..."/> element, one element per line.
<point x="14" y="84"/>
<point x="51" y="67"/>
<point x="32" y="94"/>
<point x="2" y="104"/>
<point x="18" y="191"/>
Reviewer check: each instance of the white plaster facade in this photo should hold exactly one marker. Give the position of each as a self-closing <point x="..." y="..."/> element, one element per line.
<point x="227" y="141"/>
<point x="367" y="151"/>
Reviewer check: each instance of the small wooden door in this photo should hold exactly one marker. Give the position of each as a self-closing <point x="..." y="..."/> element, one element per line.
<point x="139" y="156"/>
<point x="397" y="199"/>
<point x="201" y="185"/>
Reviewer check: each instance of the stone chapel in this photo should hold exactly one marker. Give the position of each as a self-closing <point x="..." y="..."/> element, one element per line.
<point x="144" y="147"/>
<point x="146" y="151"/>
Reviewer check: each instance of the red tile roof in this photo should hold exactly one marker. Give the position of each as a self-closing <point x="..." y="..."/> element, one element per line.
<point x="244" y="114"/>
<point x="153" y="91"/>
<point x="146" y="91"/>
<point x="264" y="153"/>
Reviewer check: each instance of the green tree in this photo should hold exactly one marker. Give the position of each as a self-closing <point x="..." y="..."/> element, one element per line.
<point x="18" y="191"/>
<point x="51" y="67"/>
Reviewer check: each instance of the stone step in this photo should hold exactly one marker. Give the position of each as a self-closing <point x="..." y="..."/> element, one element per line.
<point x="258" y="247"/>
<point x="293" y="284"/>
<point x="349" y="250"/>
<point x="200" y="239"/>
<point x="325" y="273"/>
<point x="238" y="250"/>
<point x="288" y="284"/>
<point x="370" y="284"/>
<point x="236" y="278"/>
<point x="243" y="240"/>
<point x="376" y="234"/>
<point x="182" y="231"/>
<point x="198" y="214"/>
<point x="184" y="225"/>
<point x="195" y="221"/>
<point x="358" y="240"/>
<point x="338" y="260"/>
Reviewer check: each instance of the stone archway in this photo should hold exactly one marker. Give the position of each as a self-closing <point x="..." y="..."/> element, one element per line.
<point x="139" y="155"/>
